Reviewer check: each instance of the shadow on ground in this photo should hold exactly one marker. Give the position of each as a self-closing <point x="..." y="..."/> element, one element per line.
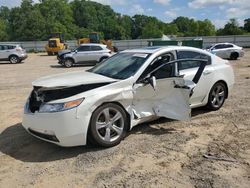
<point x="17" y="143"/>
<point x="74" y="66"/>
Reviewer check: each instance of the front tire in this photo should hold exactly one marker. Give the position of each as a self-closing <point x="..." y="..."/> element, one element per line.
<point x="108" y="125"/>
<point x="68" y="63"/>
<point x="14" y="59"/>
<point x="217" y="96"/>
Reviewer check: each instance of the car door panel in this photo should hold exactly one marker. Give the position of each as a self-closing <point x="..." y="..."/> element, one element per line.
<point x="164" y="101"/>
<point x="202" y="87"/>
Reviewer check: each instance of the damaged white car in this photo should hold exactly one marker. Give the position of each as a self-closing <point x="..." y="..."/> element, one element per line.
<point x="131" y="87"/>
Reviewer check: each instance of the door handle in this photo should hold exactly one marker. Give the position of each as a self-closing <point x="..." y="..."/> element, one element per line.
<point x="206" y="72"/>
<point x="181" y="87"/>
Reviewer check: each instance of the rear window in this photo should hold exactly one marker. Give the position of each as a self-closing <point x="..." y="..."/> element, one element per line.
<point x="182" y="65"/>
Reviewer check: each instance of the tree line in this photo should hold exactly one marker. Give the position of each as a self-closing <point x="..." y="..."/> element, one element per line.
<point x="76" y="19"/>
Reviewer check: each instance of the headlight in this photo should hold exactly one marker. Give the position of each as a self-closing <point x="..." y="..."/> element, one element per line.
<point x="57" y="107"/>
<point x="26" y="106"/>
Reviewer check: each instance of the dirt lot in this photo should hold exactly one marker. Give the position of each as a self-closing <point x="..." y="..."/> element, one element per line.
<point x="163" y="153"/>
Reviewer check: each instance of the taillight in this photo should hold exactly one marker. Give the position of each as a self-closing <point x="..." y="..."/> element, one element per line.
<point x="18" y="49"/>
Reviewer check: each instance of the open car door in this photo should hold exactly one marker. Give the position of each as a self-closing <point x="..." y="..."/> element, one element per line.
<point x="164" y="94"/>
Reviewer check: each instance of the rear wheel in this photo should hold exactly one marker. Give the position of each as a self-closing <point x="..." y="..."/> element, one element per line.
<point x="14" y="59"/>
<point x="217" y="96"/>
<point x="108" y="125"/>
<point x="234" y="56"/>
<point x="68" y="63"/>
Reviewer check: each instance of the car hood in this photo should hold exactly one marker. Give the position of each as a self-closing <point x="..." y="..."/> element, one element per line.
<point x="71" y="79"/>
<point x="61" y="52"/>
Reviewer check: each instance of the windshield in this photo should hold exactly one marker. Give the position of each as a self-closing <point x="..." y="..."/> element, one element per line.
<point x="121" y="66"/>
<point x="208" y="47"/>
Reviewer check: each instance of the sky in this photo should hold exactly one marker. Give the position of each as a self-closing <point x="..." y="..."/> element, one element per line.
<point x="218" y="11"/>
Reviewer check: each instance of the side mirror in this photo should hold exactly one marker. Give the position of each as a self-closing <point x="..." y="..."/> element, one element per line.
<point x="76" y="51"/>
<point x="152" y="82"/>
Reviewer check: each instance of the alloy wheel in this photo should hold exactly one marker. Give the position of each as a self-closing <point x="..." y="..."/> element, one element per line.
<point x="14" y="59"/>
<point x="217" y="96"/>
<point x="109" y="124"/>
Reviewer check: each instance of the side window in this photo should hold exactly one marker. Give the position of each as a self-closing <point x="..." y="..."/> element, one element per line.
<point x="1" y="47"/>
<point x="228" y="46"/>
<point x="96" y="48"/>
<point x="4" y="47"/>
<point x="156" y="63"/>
<point x="83" y="48"/>
<point x="11" y="47"/>
<point x="165" y="71"/>
<point x="182" y="65"/>
<point x="219" y="46"/>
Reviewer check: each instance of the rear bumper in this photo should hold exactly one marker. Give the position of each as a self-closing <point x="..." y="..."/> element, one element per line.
<point x="23" y="57"/>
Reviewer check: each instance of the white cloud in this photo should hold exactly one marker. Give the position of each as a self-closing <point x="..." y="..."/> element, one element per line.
<point x="162" y="2"/>
<point x="137" y="9"/>
<point x="236" y="12"/>
<point x="111" y="2"/>
<point x="170" y="13"/>
<point x="196" y="4"/>
<point x="219" y="23"/>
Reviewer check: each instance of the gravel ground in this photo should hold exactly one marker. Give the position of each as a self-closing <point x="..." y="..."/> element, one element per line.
<point x="163" y="153"/>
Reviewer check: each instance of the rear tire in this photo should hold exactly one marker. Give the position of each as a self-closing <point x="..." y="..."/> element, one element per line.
<point x="14" y="59"/>
<point x="234" y="56"/>
<point x="68" y="63"/>
<point x="108" y="125"/>
<point x="217" y="96"/>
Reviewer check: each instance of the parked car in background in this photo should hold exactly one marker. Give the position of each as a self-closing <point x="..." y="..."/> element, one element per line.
<point x="13" y="53"/>
<point x="226" y="50"/>
<point x="84" y="54"/>
<point x="129" y="88"/>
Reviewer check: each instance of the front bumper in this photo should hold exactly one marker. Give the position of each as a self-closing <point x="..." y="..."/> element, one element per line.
<point x="61" y="128"/>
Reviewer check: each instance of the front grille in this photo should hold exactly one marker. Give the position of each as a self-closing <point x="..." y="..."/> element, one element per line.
<point x="52" y="44"/>
<point x="44" y="136"/>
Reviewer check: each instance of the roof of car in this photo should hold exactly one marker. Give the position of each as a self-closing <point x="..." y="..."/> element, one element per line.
<point x="153" y="49"/>
<point x="92" y="44"/>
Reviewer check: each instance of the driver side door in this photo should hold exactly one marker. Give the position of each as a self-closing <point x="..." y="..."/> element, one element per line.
<point x="169" y="98"/>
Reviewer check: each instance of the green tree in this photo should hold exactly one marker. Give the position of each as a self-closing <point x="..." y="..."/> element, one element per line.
<point x="3" y="30"/>
<point x="58" y="17"/>
<point x="247" y="25"/>
<point x="231" y="28"/>
<point x="206" y="28"/>
<point x="151" y="30"/>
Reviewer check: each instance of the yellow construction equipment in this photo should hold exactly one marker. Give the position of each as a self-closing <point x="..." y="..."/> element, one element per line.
<point x="94" y="38"/>
<point x="55" y="43"/>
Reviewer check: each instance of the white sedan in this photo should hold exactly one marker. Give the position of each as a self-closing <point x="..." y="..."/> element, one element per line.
<point x="131" y="87"/>
<point x="226" y="50"/>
